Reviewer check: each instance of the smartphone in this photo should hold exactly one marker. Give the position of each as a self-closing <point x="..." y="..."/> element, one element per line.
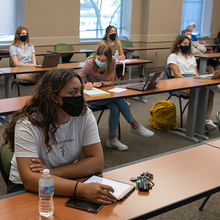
<point x="83" y="204"/>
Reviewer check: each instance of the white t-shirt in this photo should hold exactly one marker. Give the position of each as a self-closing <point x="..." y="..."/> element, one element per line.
<point x="185" y="66"/>
<point x="71" y="137"/>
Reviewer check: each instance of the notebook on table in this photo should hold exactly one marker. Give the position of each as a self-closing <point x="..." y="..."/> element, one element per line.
<point x="153" y="81"/>
<point x="121" y="189"/>
<point x="50" y="60"/>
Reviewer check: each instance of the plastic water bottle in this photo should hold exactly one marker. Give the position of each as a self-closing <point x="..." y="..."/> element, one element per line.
<point x="46" y="192"/>
<point x="116" y="55"/>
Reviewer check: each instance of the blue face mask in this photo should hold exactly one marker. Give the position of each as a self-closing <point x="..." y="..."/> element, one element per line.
<point x="100" y="64"/>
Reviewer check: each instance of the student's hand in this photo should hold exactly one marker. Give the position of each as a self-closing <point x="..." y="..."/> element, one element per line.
<point x="88" y="86"/>
<point x="121" y="57"/>
<point x="97" y="84"/>
<point x="96" y="192"/>
<point x="37" y="166"/>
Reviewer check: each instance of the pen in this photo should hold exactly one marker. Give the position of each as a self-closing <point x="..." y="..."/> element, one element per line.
<point x="86" y="80"/>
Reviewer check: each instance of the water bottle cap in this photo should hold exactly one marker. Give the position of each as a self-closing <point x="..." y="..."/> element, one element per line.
<point x="46" y="171"/>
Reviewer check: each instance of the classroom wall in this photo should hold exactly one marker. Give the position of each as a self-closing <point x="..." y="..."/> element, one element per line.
<point x="153" y="22"/>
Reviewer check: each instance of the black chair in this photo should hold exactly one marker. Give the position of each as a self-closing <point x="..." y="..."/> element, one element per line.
<point x="19" y="82"/>
<point x="102" y="109"/>
<point x="179" y="95"/>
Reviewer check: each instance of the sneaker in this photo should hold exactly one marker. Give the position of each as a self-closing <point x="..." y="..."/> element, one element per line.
<point x="218" y="86"/>
<point x="115" y="143"/>
<point x="142" y="131"/>
<point x="209" y="125"/>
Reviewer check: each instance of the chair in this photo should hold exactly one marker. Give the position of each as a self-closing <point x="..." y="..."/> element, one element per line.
<point x="126" y="43"/>
<point x="19" y="82"/>
<point x="102" y="109"/>
<point x="5" y="162"/>
<point x="66" y="57"/>
<point x="179" y="95"/>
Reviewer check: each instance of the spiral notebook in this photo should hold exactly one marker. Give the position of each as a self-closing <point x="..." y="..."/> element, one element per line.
<point x="121" y="190"/>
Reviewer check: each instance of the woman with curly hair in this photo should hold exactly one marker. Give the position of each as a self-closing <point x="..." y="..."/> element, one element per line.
<point x="50" y="132"/>
<point x="183" y="64"/>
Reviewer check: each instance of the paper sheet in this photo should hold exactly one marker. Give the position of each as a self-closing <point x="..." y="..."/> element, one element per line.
<point x="118" y="90"/>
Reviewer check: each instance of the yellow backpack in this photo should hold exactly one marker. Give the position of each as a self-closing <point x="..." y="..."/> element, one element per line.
<point x="163" y="115"/>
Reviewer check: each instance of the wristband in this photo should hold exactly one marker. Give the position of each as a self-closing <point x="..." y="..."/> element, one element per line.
<point x="74" y="194"/>
<point x="102" y="84"/>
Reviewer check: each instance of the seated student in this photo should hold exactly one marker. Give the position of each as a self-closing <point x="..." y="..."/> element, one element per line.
<point x="114" y="43"/>
<point x="99" y="71"/>
<point x="198" y="48"/>
<point x="23" y="54"/>
<point x="183" y="64"/>
<point x="51" y="131"/>
<point x="192" y="26"/>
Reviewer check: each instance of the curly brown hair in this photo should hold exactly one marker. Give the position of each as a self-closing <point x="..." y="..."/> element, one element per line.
<point x="18" y="31"/>
<point x="178" y="41"/>
<point x="40" y="109"/>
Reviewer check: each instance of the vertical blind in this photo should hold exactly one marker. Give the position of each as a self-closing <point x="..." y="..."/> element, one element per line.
<point x="192" y="11"/>
<point x="8" y="18"/>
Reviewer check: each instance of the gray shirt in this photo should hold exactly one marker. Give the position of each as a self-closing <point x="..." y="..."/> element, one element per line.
<point x="24" y="56"/>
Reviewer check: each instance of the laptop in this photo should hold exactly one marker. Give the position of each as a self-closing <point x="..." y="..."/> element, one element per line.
<point x="50" y="60"/>
<point x="152" y="82"/>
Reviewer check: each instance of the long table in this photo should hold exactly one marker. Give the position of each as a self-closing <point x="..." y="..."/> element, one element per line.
<point x="204" y="59"/>
<point x="180" y="177"/>
<point x="8" y="72"/>
<point x="199" y="91"/>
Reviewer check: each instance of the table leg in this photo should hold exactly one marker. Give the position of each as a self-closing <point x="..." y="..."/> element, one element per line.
<point x="189" y="132"/>
<point x="7" y="86"/>
<point x="201" y="113"/>
<point x="203" y="65"/>
<point x="60" y="60"/>
<point x="129" y="56"/>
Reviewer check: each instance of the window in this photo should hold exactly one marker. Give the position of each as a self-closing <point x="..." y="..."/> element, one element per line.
<point x="192" y="11"/>
<point x="199" y="12"/>
<point x="8" y="20"/>
<point x="96" y="15"/>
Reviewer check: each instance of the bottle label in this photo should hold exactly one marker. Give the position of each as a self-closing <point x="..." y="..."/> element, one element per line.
<point x="46" y="190"/>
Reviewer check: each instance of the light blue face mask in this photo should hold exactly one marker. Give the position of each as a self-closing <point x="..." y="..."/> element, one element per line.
<point x="100" y="64"/>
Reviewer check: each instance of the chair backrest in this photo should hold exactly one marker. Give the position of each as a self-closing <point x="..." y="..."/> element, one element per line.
<point x="218" y="119"/>
<point x="65" y="57"/>
<point x="11" y="64"/>
<point x="169" y="74"/>
<point x="5" y="162"/>
<point x="126" y="43"/>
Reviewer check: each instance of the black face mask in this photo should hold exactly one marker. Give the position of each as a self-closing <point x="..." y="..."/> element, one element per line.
<point x="184" y="49"/>
<point x="112" y="36"/>
<point x="73" y="106"/>
<point x="23" y="38"/>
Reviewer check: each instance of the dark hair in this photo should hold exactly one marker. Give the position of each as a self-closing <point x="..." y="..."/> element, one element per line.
<point x="106" y="51"/>
<point x="178" y="41"/>
<point x="40" y="109"/>
<point x="17" y="36"/>
<point x="107" y="30"/>
<point x="187" y="30"/>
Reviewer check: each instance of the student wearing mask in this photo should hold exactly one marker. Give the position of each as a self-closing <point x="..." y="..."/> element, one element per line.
<point x="22" y="53"/>
<point x="99" y="71"/>
<point x="183" y="64"/>
<point x="50" y="132"/>
<point x="114" y="43"/>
